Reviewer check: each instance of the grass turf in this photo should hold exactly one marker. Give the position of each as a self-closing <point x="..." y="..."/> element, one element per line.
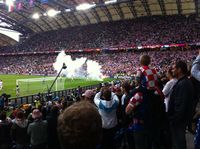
<point x="9" y="84"/>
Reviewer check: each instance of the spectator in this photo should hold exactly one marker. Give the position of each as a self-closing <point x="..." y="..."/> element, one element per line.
<point x="52" y="119"/>
<point x="168" y="87"/>
<point x="196" y="68"/>
<point x="180" y="105"/>
<point x="19" y="131"/>
<point x="146" y="75"/>
<point x="196" y="74"/>
<point x="89" y="95"/>
<point x="5" y="126"/>
<point x="38" y="131"/>
<point x="79" y="127"/>
<point x="107" y="104"/>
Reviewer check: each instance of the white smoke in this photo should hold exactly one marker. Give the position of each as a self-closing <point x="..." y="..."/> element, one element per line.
<point x="78" y="68"/>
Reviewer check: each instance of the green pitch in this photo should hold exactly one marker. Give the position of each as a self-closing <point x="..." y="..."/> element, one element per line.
<point x="9" y="83"/>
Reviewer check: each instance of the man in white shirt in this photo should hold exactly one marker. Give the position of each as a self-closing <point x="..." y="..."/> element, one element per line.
<point x="168" y="87"/>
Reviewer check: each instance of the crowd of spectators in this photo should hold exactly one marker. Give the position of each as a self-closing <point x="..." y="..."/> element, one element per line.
<point x="112" y="63"/>
<point x="114" y="115"/>
<point x="141" y="31"/>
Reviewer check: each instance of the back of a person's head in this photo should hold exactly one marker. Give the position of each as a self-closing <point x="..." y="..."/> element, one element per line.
<point x="182" y="66"/>
<point x="79" y="126"/>
<point x="106" y="93"/>
<point x="145" y="60"/>
<point x="20" y="115"/>
<point x="55" y="109"/>
<point x="126" y="86"/>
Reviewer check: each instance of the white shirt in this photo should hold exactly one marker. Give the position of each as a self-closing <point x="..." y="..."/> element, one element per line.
<point x="167" y="91"/>
<point x="107" y="110"/>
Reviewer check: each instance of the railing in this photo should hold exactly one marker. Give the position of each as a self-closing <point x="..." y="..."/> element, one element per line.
<point x="63" y="93"/>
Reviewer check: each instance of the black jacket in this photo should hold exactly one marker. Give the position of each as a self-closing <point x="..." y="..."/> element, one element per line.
<point x="19" y="133"/>
<point x="181" y="102"/>
<point x="53" y="142"/>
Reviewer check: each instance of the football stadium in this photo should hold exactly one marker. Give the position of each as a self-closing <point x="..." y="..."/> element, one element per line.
<point x="99" y="74"/>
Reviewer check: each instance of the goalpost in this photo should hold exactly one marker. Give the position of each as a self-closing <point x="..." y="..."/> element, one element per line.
<point x="36" y="85"/>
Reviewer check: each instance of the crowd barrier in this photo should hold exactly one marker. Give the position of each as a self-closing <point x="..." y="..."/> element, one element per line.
<point x="56" y="94"/>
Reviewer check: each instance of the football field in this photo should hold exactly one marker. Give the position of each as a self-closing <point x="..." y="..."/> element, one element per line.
<point x="9" y="84"/>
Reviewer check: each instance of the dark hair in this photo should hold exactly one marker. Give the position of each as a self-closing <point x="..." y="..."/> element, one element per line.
<point x="126" y="86"/>
<point x="183" y="66"/>
<point x="3" y="116"/>
<point x="106" y="93"/>
<point x="80" y="126"/>
<point x="145" y="60"/>
<point x="20" y="114"/>
<point x="55" y="109"/>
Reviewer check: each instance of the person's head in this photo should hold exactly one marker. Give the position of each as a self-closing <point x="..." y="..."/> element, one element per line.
<point x="80" y="126"/>
<point x="88" y="95"/>
<point x="170" y="74"/>
<point x="145" y="60"/>
<point x="55" y="109"/>
<point x="126" y="87"/>
<point x="36" y="114"/>
<point x="106" y="93"/>
<point x="20" y="115"/>
<point x="180" y="69"/>
<point x="117" y="90"/>
<point x="3" y="116"/>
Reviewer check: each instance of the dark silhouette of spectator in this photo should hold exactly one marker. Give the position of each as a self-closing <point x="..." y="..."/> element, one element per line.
<point x="180" y="105"/>
<point x="5" y="126"/>
<point x="52" y="119"/>
<point x="19" y="131"/>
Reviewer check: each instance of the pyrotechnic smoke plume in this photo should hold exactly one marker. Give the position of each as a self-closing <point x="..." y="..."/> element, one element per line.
<point x="78" y="68"/>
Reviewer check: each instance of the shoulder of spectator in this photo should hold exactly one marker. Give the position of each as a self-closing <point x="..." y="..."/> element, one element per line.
<point x="197" y="60"/>
<point x="97" y="98"/>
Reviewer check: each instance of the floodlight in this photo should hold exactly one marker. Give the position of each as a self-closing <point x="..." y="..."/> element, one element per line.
<point x="85" y="6"/>
<point x="35" y="16"/>
<point x="110" y="2"/>
<point x="52" y="12"/>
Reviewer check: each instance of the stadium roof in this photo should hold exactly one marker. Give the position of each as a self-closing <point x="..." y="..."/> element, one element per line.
<point x="101" y="11"/>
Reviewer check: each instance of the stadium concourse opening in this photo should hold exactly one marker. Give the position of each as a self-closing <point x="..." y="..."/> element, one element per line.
<point x="132" y="79"/>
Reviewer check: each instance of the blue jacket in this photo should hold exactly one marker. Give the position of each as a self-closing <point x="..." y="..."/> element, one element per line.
<point x="195" y="71"/>
<point x="197" y="137"/>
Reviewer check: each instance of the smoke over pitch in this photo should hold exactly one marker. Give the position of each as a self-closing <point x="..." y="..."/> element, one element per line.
<point x="78" y="68"/>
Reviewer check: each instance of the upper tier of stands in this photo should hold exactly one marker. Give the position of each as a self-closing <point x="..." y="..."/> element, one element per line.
<point x="142" y="31"/>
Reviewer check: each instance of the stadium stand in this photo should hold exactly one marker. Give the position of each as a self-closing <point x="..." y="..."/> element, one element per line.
<point x="122" y="36"/>
<point x="113" y="63"/>
<point x="145" y="31"/>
